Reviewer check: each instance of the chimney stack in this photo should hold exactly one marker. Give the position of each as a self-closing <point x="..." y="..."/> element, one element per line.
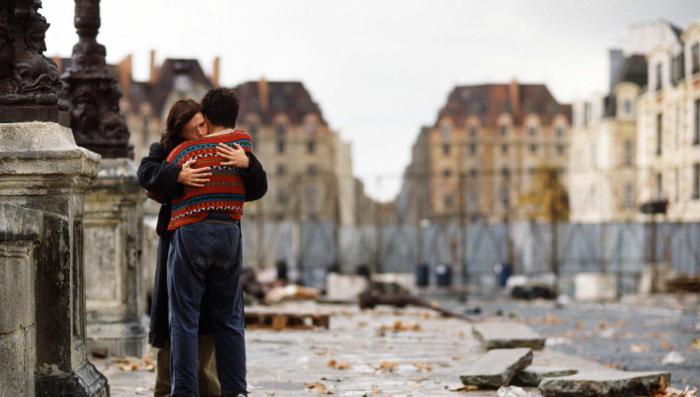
<point x="264" y="94"/>
<point x="514" y="91"/>
<point x="617" y="58"/>
<point x="216" y="72"/>
<point x="124" y="74"/>
<point x="154" y="71"/>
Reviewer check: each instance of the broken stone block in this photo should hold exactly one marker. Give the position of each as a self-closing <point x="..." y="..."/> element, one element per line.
<point x="507" y="335"/>
<point x="496" y="368"/>
<point x="533" y="375"/>
<point x="605" y="384"/>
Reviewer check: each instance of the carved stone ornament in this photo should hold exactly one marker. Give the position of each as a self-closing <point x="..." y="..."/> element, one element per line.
<point x="29" y="82"/>
<point x="92" y="91"/>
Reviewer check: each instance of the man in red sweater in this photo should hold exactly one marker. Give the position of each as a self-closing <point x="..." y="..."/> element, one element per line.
<point x="204" y="262"/>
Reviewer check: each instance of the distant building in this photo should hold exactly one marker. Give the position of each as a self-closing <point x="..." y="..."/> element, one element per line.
<point x="479" y="158"/>
<point x="602" y="172"/>
<point x="668" y="124"/>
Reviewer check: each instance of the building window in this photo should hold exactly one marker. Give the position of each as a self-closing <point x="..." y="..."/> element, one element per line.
<point x="696" y="181"/>
<point x="446" y="132"/>
<point x="447" y="173"/>
<point x="586" y="114"/>
<point x="472" y="131"/>
<point x="448" y="201"/>
<point x="627" y="107"/>
<point x="472" y="148"/>
<point x="310" y="147"/>
<point x="446" y="149"/>
<point x="504" y="130"/>
<point x="280" y="169"/>
<point x="560" y="131"/>
<point x="145" y="129"/>
<point x="311" y="170"/>
<point x="696" y="126"/>
<point x="628" y="153"/>
<point x="281" y="197"/>
<point x="659" y="185"/>
<point x="505" y="173"/>
<point x="695" y="58"/>
<point x="533" y="148"/>
<point x="472" y="173"/>
<point x="504" y="148"/>
<point x="280" y="130"/>
<point x="280" y="147"/>
<point x="532" y="130"/>
<point x="629" y="196"/>
<point x="252" y="128"/>
<point x="659" y="133"/>
<point x="561" y="150"/>
<point x="505" y="196"/>
<point x="659" y="69"/>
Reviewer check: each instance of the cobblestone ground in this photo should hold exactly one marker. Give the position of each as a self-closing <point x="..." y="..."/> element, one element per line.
<point x="636" y="334"/>
<point x="360" y="355"/>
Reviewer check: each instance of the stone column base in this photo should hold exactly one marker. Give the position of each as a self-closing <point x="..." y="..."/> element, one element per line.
<point x="117" y="339"/>
<point x="84" y="381"/>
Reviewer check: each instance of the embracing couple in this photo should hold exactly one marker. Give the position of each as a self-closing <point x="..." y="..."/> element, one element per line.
<point x="202" y="171"/>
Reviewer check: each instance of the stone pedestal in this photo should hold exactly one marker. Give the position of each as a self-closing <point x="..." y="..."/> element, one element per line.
<point x="113" y="240"/>
<point x="43" y="171"/>
<point x="19" y="233"/>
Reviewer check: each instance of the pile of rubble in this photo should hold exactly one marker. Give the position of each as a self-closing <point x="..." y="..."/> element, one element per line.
<point x="508" y="358"/>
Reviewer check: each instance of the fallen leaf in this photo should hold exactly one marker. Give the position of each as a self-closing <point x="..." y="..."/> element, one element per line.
<point x="695" y="345"/>
<point x="387" y="366"/>
<point x="641" y="348"/>
<point x="461" y="387"/>
<point x="423" y="367"/>
<point x="318" y="388"/>
<point x="338" y="365"/>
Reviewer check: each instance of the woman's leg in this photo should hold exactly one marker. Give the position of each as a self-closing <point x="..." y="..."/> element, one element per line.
<point x="162" y="387"/>
<point x="208" y="379"/>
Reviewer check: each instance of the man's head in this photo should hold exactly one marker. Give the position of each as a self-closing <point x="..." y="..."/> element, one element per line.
<point x="220" y="107"/>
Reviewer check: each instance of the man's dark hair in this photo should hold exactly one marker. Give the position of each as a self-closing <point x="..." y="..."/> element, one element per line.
<point x="220" y="107"/>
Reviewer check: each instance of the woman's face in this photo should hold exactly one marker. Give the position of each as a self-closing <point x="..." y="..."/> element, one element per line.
<point x="195" y="128"/>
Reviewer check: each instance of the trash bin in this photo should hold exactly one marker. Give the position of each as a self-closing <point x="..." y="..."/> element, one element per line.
<point x="443" y="275"/>
<point x="422" y="275"/>
<point x="503" y="272"/>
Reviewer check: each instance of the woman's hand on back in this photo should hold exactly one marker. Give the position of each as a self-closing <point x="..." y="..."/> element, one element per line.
<point x="233" y="156"/>
<point x="195" y="177"/>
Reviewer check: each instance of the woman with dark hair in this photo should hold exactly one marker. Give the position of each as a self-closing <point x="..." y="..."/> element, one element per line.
<point x="163" y="182"/>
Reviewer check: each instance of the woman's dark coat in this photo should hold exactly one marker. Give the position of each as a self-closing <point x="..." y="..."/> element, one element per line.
<point x="159" y="177"/>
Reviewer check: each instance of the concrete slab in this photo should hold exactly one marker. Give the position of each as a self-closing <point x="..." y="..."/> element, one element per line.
<point x="533" y="375"/>
<point x="507" y="335"/>
<point x="497" y="367"/>
<point x="604" y="384"/>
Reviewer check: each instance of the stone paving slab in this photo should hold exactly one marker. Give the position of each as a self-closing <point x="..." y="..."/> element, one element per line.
<point x="496" y="368"/>
<point x="533" y="375"/>
<point x="417" y="361"/>
<point x="507" y="335"/>
<point x="610" y="383"/>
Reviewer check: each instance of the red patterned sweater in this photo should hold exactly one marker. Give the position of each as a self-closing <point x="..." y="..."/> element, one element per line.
<point x="225" y="191"/>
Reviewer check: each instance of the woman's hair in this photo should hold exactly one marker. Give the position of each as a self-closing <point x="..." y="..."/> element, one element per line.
<point x="180" y="113"/>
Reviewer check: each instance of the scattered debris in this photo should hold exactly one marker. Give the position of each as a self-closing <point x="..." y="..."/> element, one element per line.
<point x="673" y="358"/>
<point x="279" y="321"/>
<point x="671" y="392"/>
<point x="394" y="294"/>
<point x="506" y="335"/>
<point x="640" y="348"/>
<point x="497" y="367"/>
<point x="291" y="292"/>
<point x="513" y="391"/>
<point x="605" y="384"/>
<point x="423" y="367"/>
<point x="100" y="352"/>
<point x="458" y="387"/>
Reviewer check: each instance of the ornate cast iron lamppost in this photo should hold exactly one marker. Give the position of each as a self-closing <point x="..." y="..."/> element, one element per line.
<point x="93" y="92"/>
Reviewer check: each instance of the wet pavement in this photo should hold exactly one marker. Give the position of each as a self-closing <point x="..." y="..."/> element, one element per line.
<point x="380" y="352"/>
<point x="638" y="334"/>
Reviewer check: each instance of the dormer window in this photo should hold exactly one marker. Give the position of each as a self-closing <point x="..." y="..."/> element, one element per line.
<point x="532" y="130"/>
<point x="695" y="58"/>
<point x="659" y="70"/>
<point x="504" y="129"/>
<point x="280" y="129"/>
<point x="472" y="131"/>
<point x="445" y="131"/>
<point x="560" y="131"/>
<point x="627" y="107"/>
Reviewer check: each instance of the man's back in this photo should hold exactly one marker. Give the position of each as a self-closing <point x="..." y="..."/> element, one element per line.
<point x="225" y="191"/>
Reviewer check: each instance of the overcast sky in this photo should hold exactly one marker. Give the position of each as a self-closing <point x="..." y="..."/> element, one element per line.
<point x="379" y="69"/>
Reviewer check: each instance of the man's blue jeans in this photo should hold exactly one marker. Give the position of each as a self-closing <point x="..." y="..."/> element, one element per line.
<point x="204" y="264"/>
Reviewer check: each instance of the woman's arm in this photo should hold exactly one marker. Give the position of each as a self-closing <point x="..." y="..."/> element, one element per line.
<point x="158" y="176"/>
<point x="255" y="179"/>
